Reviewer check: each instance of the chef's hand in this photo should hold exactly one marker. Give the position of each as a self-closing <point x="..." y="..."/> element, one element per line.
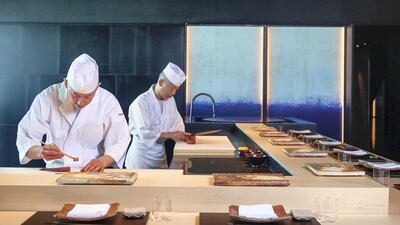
<point x="181" y="135"/>
<point x="50" y="152"/>
<point x="99" y="164"/>
<point x="191" y="139"/>
<point x="95" y="165"/>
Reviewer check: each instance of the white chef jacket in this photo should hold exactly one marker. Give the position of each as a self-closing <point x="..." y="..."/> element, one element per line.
<point x="100" y="128"/>
<point x="146" y="123"/>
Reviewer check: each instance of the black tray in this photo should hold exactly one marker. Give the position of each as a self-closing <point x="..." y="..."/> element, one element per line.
<point x="224" y="219"/>
<point x="47" y="218"/>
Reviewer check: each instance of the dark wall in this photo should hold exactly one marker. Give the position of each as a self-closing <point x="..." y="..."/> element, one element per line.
<point x="376" y="68"/>
<point x="300" y="12"/>
<point x="39" y="39"/>
<point x="34" y="56"/>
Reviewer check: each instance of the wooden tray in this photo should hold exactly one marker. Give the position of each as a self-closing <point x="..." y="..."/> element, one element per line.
<point x="62" y="214"/>
<point x="278" y="209"/>
<point x="250" y="179"/>
<point x="58" y="169"/>
<point x="111" y="178"/>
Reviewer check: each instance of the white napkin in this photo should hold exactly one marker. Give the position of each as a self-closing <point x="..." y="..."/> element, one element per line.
<point x="313" y="136"/>
<point x="356" y="153"/>
<point x="89" y="210"/>
<point x="388" y="166"/>
<point x="330" y="143"/>
<point x="300" y="131"/>
<point x="261" y="211"/>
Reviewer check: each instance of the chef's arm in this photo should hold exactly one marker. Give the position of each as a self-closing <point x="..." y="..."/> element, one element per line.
<point x="106" y="160"/>
<point x="176" y="135"/>
<point x="47" y="152"/>
<point x="31" y="129"/>
<point x="34" y="152"/>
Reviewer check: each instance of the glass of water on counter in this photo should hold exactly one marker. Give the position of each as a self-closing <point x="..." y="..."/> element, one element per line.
<point x="326" y="209"/>
<point x="382" y="176"/>
<point x="162" y="210"/>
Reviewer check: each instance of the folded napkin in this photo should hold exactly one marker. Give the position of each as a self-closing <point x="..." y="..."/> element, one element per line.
<point x="388" y="166"/>
<point x="89" y="210"/>
<point x="300" y="131"/>
<point x="356" y="153"/>
<point x="330" y="143"/>
<point x="261" y="211"/>
<point x="313" y="136"/>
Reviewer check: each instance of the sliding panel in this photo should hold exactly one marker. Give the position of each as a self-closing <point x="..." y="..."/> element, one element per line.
<point x="225" y="62"/>
<point x="305" y="75"/>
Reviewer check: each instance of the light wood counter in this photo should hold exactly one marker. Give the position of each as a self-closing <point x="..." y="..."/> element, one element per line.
<point x="206" y="146"/>
<point x="17" y="218"/>
<point x="28" y="189"/>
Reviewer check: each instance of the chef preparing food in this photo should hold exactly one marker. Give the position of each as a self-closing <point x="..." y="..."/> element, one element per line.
<point x="154" y="119"/>
<point x="79" y="118"/>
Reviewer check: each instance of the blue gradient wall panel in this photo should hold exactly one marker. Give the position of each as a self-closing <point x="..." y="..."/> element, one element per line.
<point x="305" y="73"/>
<point x="225" y="62"/>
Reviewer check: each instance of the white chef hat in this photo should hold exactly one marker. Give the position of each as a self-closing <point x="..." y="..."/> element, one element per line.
<point x="83" y="74"/>
<point x="174" y="74"/>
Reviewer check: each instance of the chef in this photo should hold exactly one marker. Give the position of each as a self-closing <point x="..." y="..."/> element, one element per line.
<point x="154" y="119"/>
<point x="79" y="118"/>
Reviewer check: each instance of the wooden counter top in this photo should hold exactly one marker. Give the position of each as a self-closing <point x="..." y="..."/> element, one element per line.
<point x="28" y="189"/>
<point x="17" y="218"/>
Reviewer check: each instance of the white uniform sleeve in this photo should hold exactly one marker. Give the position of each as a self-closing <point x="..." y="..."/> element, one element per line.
<point x="140" y="123"/>
<point x="179" y="125"/>
<point x="32" y="127"/>
<point x="117" y="137"/>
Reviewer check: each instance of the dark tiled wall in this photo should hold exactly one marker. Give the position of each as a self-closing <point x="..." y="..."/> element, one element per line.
<point x="33" y="56"/>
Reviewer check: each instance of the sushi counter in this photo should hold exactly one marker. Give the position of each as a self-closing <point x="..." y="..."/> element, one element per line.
<point x="360" y="199"/>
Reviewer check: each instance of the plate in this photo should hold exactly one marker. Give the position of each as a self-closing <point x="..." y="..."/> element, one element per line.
<point x="278" y="209"/>
<point x="62" y="214"/>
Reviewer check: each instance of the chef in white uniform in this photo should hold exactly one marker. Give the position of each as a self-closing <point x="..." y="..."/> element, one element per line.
<point x="154" y="118"/>
<point x="78" y="117"/>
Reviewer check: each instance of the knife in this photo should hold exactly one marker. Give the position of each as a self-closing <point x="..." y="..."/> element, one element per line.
<point x="207" y="132"/>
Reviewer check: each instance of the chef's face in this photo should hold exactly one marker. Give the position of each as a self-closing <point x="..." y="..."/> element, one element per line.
<point x="167" y="89"/>
<point x="80" y="100"/>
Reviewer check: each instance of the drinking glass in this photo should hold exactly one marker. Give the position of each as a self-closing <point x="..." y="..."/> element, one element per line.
<point x="381" y="176"/>
<point x="326" y="209"/>
<point x="162" y="208"/>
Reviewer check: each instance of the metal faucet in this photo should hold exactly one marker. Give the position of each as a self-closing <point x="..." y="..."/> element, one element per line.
<point x="194" y="98"/>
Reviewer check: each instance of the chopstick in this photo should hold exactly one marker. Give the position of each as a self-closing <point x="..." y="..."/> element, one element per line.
<point x="65" y="154"/>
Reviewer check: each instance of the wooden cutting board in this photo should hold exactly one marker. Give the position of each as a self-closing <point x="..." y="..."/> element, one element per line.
<point x="206" y="144"/>
<point x="250" y="179"/>
<point x="123" y="178"/>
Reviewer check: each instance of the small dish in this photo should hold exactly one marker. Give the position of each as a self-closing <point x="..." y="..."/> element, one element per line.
<point x="62" y="214"/>
<point x="278" y="209"/>
<point x="134" y="213"/>
<point x="257" y="160"/>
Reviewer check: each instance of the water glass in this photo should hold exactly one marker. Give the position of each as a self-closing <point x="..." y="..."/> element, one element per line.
<point x="326" y="209"/>
<point x="344" y="157"/>
<point x="162" y="208"/>
<point x="324" y="148"/>
<point x="382" y="176"/>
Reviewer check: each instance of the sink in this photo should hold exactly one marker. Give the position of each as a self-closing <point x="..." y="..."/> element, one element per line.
<point x="237" y="119"/>
<point x="228" y="119"/>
